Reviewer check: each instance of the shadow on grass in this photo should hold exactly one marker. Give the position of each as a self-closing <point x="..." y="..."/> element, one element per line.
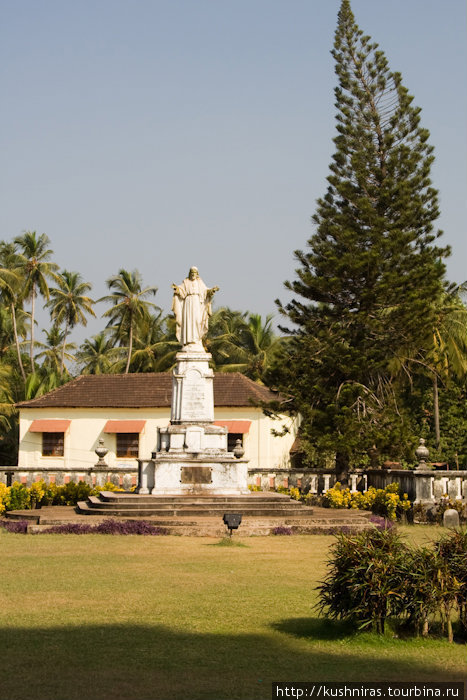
<point x="318" y="628"/>
<point x="323" y="629"/>
<point x="136" y="662"/>
<point x="227" y="542"/>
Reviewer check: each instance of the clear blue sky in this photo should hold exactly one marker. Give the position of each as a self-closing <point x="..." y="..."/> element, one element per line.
<point x="159" y="134"/>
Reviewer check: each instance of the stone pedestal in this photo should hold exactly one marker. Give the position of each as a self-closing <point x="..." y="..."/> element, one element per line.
<point x="192" y="393"/>
<point x="193" y="439"/>
<point x="200" y="474"/>
<point x="192" y="456"/>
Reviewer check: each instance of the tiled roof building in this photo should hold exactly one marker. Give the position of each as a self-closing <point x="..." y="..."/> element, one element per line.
<point x="144" y="391"/>
<point x="60" y="431"/>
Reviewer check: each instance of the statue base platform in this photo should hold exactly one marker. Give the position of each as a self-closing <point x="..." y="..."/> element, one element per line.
<point x="208" y="474"/>
<point x="193" y="459"/>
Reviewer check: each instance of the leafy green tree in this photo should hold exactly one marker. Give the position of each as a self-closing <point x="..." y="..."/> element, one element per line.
<point x="365" y="282"/>
<point x="40" y="382"/>
<point x="442" y="355"/>
<point x="261" y="345"/>
<point x="243" y="342"/>
<point x="97" y="355"/>
<point x="12" y="291"/>
<point x="54" y="351"/>
<point x="8" y="415"/>
<point x="223" y="338"/>
<point x="129" y="305"/>
<point x="36" y="269"/>
<point x="154" y="346"/>
<point x="447" y="348"/>
<point x="70" y="305"/>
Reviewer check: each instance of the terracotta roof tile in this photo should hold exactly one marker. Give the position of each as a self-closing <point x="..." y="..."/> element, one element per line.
<point x="144" y="391"/>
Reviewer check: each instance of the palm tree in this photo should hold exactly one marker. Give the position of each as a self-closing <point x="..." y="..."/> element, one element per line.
<point x="241" y="344"/>
<point x="128" y="306"/>
<point x="40" y="383"/>
<point x="69" y="305"/>
<point x="444" y="351"/>
<point x="8" y="415"/>
<point x="55" y="350"/>
<point x="11" y="286"/>
<point x="223" y="339"/>
<point x="261" y="345"/>
<point x="155" y="345"/>
<point x="447" y="346"/>
<point x="36" y="270"/>
<point x="97" y="355"/>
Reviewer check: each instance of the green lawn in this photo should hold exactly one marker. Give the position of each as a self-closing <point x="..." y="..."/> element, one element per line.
<point x="100" y="617"/>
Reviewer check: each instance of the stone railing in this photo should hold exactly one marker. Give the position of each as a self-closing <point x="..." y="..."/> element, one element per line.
<point x="422" y="485"/>
<point x="123" y="477"/>
<point x="306" y="480"/>
<point x="126" y="477"/>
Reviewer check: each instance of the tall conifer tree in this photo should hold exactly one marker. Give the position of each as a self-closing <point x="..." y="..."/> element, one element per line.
<point x="365" y="282"/>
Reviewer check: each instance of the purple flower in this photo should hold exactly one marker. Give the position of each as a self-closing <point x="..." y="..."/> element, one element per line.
<point x="18" y="527"/>
<point x="282" y="530"/>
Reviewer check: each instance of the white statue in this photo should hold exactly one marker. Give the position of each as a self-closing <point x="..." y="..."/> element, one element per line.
<point x="192" y="308"/>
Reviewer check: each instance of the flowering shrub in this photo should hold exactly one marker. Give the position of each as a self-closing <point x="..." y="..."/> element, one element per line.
<point x="381" y="523"/>
<point x="20" y="497"/>
<point x="282" y="530"/>
<point x="293" y="492"/>
<point x="70" y="529"/>
<point x="4" y="498"/>
<point x="385" y="502"/>
<point x="310" y="499"/>
<point x="109" y="527"/>
<point x="337" y="497"/>
<point x="36" y="493"/>
<point x="18" y="527"/>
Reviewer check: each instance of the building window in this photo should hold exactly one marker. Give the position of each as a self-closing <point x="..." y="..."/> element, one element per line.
<point x="127" y="444"/>
<point x="232" y="440"/>
<point x="53" y="444"/>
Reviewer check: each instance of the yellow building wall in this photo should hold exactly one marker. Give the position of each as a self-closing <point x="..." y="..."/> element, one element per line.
<point x="262" y="449"/>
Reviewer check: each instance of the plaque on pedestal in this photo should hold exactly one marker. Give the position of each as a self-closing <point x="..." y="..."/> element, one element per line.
<point x="192" y="394"/>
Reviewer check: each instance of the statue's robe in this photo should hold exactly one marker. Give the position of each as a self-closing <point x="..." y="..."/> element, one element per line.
<point x="192" y="309"/>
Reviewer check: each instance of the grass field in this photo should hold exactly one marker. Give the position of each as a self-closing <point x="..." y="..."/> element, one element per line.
<point x="100" y="617"/>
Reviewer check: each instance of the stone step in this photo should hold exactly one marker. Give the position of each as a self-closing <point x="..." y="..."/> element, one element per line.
<point x="176" y="503"/>
<point x="29" y="515"/>
<point x="322" y="521"/>
<point x="207" y="511"/>
<point x="116" y="497"/>
<point x="214" y="527"/>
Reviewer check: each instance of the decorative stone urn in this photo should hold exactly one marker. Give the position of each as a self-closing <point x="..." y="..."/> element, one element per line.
<point x="101" y="451"/>
<point x="422" y="455"/>
<point x="238" y="449"/>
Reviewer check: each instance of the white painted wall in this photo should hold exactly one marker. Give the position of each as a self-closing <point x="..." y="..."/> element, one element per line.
<point x="262" y="449"/>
